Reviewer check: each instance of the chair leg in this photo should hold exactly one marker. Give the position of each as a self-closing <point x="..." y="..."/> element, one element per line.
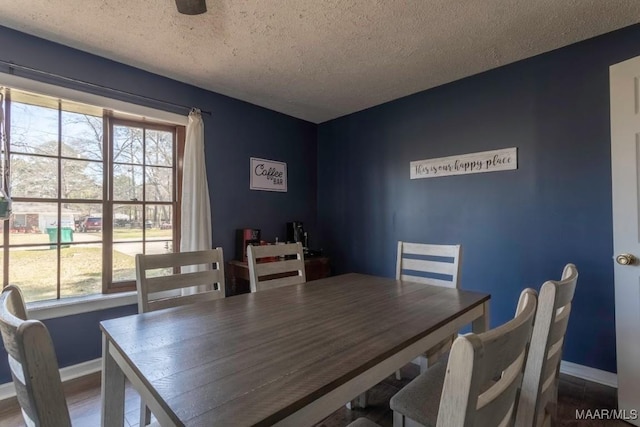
<point x="398" y="375"/>
<point x="425" y="362"/>
<point x="398" y="419"/>
<point x="145" y="414"/>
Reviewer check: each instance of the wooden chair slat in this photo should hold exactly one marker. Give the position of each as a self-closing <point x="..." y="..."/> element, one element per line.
<point x="180" y="259"/>
<point x="429" y="266"/>
<point x="184" y="280"/>
<point x="284" y="281"/>
<point x="430" y="250"/>
<point x="559" y="327"/>
<point x="500" y="408"/>
<point x="162" y="303"/>
<point x="267" y="268"/>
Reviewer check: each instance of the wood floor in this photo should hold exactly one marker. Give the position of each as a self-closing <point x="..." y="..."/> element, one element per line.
<point x="574" y="394"/>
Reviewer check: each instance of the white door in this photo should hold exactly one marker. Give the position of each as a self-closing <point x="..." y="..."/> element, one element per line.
<point x="625" y="166"/>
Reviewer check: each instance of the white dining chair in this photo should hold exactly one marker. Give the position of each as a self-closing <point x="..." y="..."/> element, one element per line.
<point x="537" y="404"/>
<point x="33" y="364"/>
<point x="162" y="284"/>
<point x="273" y="266"/>
<point x="437" y="265"/>
<point x="478" y="384"/>
<point x="432" y="265"/>
<point x="160" y="280"/>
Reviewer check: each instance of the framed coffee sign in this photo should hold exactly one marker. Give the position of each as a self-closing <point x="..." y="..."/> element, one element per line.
<point x="268" y="175"/>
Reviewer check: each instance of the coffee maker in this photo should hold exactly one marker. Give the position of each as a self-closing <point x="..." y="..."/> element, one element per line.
<point x="296" y="233"/>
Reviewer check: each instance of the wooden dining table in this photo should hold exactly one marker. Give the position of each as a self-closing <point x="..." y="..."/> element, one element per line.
<point x="288" y="356"/>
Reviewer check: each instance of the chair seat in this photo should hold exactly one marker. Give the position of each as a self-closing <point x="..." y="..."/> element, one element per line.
<point x="420" y="399"/>
<point x="363" y="422"/>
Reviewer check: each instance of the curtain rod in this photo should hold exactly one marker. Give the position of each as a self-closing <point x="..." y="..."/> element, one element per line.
<point x="12" y="67"/>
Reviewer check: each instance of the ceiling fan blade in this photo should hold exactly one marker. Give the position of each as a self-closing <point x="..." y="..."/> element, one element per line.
<point x="191" y="7"/>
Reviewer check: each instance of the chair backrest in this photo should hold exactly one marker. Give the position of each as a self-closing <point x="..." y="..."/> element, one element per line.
<point x="485" y="371"/>
<point x="33" y="364"/>
<point x="159" y="287"/>
<point x="411" y="259"/>
<point x="543" y="364"/>
<point x="284" y="266"/>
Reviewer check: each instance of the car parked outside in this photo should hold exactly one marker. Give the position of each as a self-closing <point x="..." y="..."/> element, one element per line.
<point x="91" y="223"/>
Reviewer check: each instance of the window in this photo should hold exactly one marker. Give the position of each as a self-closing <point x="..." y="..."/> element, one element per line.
<point x="91" y="188"/>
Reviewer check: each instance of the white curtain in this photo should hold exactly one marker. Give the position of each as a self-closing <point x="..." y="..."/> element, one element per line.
<point x="196" y="210"/>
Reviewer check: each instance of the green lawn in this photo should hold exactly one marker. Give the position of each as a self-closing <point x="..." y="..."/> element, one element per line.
<point x="35" y="271"/>
<point x="34" y="268"/>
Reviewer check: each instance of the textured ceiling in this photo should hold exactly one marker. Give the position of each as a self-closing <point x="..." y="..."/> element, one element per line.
<point x="318" y="59"/>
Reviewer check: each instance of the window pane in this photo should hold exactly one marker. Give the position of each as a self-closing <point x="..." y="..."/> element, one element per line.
<point x="159" y="148"/>
<point x="34" y="129"/>
<point x="81" y="270"/>
<point x="127" y="144"/>
<point x="127" y="182"/>
<point x="127" y="222"/>
<point x="81" y="136"/>
<point x="36" y="283"/>
<point x="124" y="265"/>
<point x="81" y="179"/>
<point x="159" y="222"/>
<point x="29" y="222"/>
<point x="33" y="176"/>
<point x="158" y="247"/>
<point x="159" y="184"/>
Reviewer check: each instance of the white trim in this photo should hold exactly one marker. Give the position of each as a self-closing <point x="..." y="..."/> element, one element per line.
<point x="42" y="310"/>
<point x="72" y="372"/>
<point x="590" y="374"/>
<point x="90" y="99"/>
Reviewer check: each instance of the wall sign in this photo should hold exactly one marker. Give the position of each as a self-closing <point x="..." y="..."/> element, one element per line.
<point x="268" y="175"/>
<point x="486" y="161"/>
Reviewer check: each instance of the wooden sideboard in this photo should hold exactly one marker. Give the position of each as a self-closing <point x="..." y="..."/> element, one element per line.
<point x="237" y="273"/>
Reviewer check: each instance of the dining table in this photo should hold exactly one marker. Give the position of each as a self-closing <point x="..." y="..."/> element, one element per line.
<point x="288" y="356"/>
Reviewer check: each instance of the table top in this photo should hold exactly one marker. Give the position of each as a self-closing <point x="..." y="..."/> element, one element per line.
<point x="257" y="358"/>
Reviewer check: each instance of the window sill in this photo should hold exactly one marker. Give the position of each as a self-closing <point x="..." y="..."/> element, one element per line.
<point x="42" y="310"/>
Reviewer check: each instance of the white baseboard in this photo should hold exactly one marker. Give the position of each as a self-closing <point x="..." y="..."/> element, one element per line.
<point x="7" y="390"/>
<point x="590" y="374"/>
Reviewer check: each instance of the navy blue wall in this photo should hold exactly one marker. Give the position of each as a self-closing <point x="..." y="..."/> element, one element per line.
<point x="517" y="228"/>
<point x="234" y="132"/>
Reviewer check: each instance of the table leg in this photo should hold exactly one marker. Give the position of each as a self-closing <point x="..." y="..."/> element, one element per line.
<point x="481" y="324"/>
<point x="359" y="402"/>
<point x="112" y="389"/>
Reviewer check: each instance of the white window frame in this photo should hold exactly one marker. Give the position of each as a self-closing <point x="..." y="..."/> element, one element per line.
<point x="75" y="305"/>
